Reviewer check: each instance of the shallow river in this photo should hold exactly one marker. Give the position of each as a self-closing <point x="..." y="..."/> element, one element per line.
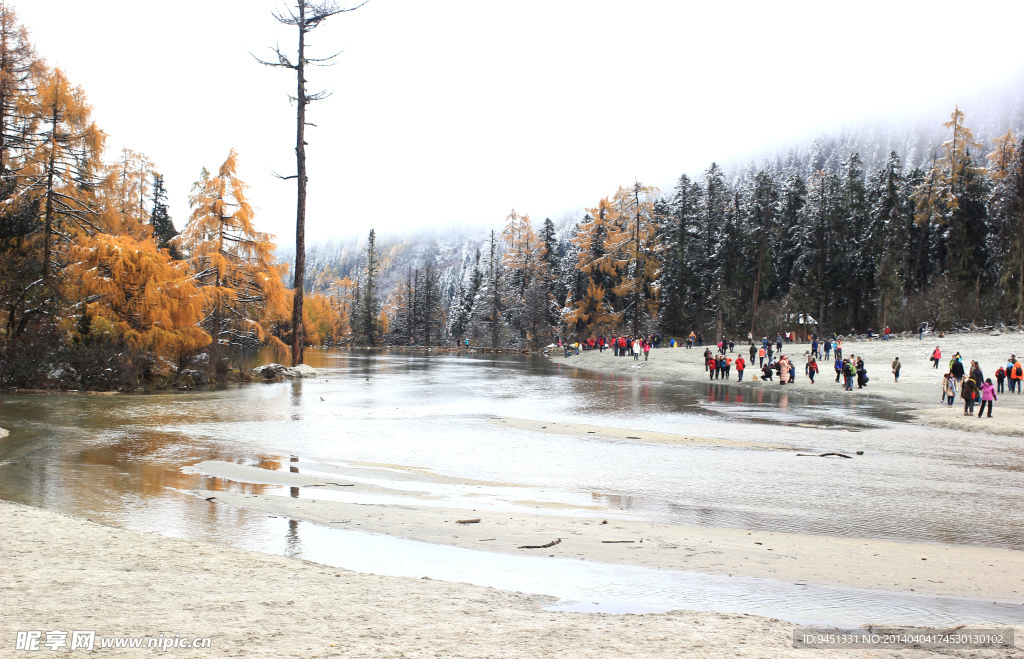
<point x="125" y="459"/>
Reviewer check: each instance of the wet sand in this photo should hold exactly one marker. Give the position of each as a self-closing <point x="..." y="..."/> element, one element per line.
<point x="62" y="572"/>
<point x="885" y="565"/>
<point x="67" y="573"/>
<point x="919" y="386"/>
<point x="610" y="432"/>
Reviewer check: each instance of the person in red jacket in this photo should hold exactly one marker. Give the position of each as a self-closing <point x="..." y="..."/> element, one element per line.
<point x="740" y="365"/>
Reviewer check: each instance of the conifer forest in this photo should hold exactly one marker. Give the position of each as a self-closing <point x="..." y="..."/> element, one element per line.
<point x="101" y="289"/>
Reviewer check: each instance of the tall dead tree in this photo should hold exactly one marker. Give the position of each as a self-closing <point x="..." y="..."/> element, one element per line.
<point x="305" y="16"/>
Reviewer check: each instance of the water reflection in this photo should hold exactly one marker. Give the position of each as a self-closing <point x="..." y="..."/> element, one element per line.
<point x="120" y="458"/>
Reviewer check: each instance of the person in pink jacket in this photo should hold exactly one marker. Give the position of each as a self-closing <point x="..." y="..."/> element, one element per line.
<point x="988" y="394"/>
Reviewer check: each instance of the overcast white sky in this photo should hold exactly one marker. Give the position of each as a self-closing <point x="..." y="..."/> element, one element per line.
<point x="455" y="111"/>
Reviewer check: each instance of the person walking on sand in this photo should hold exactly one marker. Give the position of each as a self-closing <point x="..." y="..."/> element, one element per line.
<point x="647" y="350"/>
<point x="949" y="388"/>
<point x="988" y="395"/>
<point x="812" y="369"/>
<point x="896" y="365"/>
<point x="753" y="352"/>
<point x="967" y="392"/>
<point x="1016" y="374"/>
<point x="976" y="373"/>
<point x="807" y="361"/>
<point x="936" y="356"/>
<point x="957" y="369"/>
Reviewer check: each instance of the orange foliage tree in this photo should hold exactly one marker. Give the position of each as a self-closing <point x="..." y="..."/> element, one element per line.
<point x="150" y="300"/>
<point x="232" y="262"/>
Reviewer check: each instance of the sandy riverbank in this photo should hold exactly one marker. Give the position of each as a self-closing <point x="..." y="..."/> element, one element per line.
<point x="951" y="570"/>
<point x="62" y="572"/>
<point x="919" y="386"/>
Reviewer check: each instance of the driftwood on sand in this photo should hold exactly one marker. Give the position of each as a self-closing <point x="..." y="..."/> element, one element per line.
<point x="550" y="544"/>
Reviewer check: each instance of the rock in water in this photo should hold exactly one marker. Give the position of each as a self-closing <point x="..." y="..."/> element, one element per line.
<point x="272" y="371"/>
<point x="303" y="371"/>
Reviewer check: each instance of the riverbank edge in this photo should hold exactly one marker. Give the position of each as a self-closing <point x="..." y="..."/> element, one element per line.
<point x="916" y="394"/>
<point x="70" y="573"/>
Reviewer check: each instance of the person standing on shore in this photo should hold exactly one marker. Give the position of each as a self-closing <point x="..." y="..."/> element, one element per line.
<point x="647" y="350"/>
<point x="710" y="363"/>
<point x="636" y="349"/>
<point x="967" y="392"/>
<point x="828" y="348"/>
<point x="839" y="368"/>
<point x="700" y="339"/>
<point x="949" y="388"/>
<point x="896" y="368"/>
<point x="783" y="370"/>
<point x="761" y="355"/>
<point x="1000" y="377"/>
<point x="753" y="352"/>
<point x="988" y="395"/>
<point x="740" y="365"/>
<point x="1016" y="373"/>
<point x="976" y="373"/>
<point x="956" y="367"/>
<point x="862" y="374"/>
<point x="812" y="369"/>
<point x="936" y="356"/>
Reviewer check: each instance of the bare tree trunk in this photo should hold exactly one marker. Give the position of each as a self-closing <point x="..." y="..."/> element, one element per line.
<point x="48" y="229"/>
<point x="299" y="337"/>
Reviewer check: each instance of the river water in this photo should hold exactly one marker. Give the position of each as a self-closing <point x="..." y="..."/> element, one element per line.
<point x="125" y="460"/>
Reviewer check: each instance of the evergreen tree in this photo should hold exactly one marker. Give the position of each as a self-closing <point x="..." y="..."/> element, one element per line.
<point x="160" y="219"/>
<point x="1008" y="216"/>
<point x="888" y="232"/>
<point x="369" y="311"/>
<point x="762" y="217"/>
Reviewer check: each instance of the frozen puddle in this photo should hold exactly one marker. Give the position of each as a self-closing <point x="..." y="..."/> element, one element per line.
<point x="585" y="586"/>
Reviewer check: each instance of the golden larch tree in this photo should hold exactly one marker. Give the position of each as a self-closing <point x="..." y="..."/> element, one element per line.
<point x="232" y="262"/>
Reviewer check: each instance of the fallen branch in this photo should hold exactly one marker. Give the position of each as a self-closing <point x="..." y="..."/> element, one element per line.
<point x="342" y="484"/>
<point x="612" y="542"/>
<point x="468" y="521"/>
<point x="821" y="455"/>
<point x="550" y="544"/>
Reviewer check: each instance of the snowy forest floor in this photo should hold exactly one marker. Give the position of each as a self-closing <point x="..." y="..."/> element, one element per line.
<point x="919" y="388"/>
